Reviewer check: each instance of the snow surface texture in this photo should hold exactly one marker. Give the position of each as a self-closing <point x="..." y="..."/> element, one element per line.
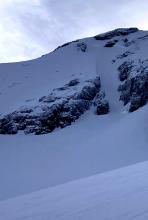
<point x="94" y="143"/>
<point x="120" y="194"/>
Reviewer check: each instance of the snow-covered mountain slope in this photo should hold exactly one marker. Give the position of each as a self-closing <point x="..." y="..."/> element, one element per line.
<point x="120" y="194"/>
<point x="93" y="143"/>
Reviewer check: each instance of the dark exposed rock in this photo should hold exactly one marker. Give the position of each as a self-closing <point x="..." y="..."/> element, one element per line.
<point x="87" y="93"/>
<point x="54" y="111"/>
<point x="49" y="98"/>
<point x="66" y="44"/>
<point x="145" y="37"/>
<point x="82" y="46"/>
<point x="136" y="102"/>
<point x="135" y="88"/>
<point x="116" y="33"/>
<point x="125" y="91"/>
<point x="102" y="108"/>
<point x="127" y="43"/>
<point x="111" y="43"/>
<point x="125" y="40"/>
<point x="124" y="69"/>
<point x="102" y="105"/>
<point x="124" y="55"/>
<point x="139" y="91"/>
<point x="59" y="115"/>
<point x="73" y="82"/>
<point x="113" y="61"/>
<point x="7" y="126"/>
<point x="61" y="88"/>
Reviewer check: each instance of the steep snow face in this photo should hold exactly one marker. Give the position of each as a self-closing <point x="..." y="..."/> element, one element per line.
<point x="25" y="82"/>
<point x="93" y="144"/>
<point x="120" y="194"/>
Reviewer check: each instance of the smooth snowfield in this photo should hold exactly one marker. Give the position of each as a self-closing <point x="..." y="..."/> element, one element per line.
<point x="93" y="144"/>
<point x="120" y="194"/>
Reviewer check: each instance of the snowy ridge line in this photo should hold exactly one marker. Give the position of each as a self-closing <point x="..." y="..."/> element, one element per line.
<point x="115" y="33"/>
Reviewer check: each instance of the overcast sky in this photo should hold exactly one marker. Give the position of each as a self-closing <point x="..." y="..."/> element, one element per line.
<point x="30" y="28"/>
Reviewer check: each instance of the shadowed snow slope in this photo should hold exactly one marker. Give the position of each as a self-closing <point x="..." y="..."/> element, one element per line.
<point x="93" y="144"/>
<point x="120" y="194"/>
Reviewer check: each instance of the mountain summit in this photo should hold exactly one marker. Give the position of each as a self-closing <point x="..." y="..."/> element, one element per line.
<point x="93" y="73"/>
<point x="75" y="112"/>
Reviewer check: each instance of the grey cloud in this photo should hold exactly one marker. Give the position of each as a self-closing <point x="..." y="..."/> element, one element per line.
<point x="41" y="25"/>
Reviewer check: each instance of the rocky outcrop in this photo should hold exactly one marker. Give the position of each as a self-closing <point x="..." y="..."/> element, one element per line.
<point x="125" y="69"/>
<point x="115" y="33"/>
<point x="59" y="109"/>
<point x="134" y="89"/>
<point x="82" y="46"/>
<point x="102" y="105"/>
<point x="66" y="44"/>
<point x="111" y="43"/>
<point x="124" y="55"/>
